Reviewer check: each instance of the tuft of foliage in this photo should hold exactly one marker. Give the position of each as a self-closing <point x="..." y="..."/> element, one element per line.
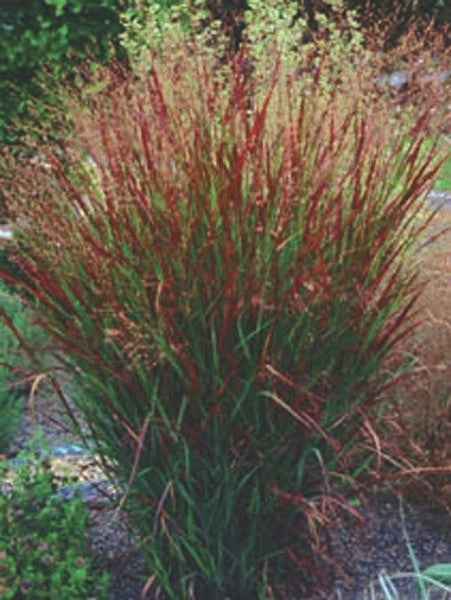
<point x="224" y="262"/>
<point x="43" y="550"/>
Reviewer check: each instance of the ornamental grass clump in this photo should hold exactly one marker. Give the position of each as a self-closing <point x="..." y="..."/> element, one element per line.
<point x="222" y="269"/>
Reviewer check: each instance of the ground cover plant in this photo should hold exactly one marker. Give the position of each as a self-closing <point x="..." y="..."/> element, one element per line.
<point x="43" y="550"/>
<point x="223" y="258"/>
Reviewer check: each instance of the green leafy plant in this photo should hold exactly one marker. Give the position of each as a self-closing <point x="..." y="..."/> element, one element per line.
<point x="224" y="280"/>
<point x="165" y="28"/>
<point x="267" y="27"/>
<point x="11" y="405"/>
<point x="41" y="42"/>
<point x="43" y="550"/>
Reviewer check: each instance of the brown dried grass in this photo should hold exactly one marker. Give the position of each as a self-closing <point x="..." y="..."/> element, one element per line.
<point x="419" y="412"/>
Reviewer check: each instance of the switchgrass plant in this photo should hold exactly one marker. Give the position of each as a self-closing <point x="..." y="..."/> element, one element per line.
<point x="223" y="266"/>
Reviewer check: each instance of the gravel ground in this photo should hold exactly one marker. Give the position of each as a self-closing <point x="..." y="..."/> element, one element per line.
<point x="360" y="553"/>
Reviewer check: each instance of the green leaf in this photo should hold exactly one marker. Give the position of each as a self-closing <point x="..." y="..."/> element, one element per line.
<point x="439" y="572"/>
<point x="59" y="5"/>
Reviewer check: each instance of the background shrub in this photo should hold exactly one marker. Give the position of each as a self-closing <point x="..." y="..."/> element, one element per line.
<point x="44" y="42"/>
<point x="41" y="42"/>
<point x="391" y="19"/>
